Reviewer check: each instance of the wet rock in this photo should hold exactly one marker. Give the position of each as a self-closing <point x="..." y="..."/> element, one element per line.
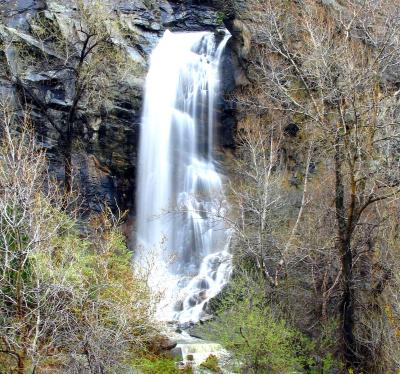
<point x="203" y="295"/>
<point x="206" y="318"/>
<point x="240" y="47"/>
<point x="187" y="16"/>
<point x="176" y="354"/>
<point x="194" y="300"/>
<point x="203" y="284"/>
<point x="178" y="306"/>
<point x="162" y="345"/>
<point x="186" y="325"/>
<point x="167" y="344"/>
<point x="194" y="332"/>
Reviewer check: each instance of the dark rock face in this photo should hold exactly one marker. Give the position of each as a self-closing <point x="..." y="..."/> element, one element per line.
<point x="193" y="16"/>
<point x="104" y="155"/>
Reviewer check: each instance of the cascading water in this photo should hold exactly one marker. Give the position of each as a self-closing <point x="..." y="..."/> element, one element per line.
<point x="180" y="200"/>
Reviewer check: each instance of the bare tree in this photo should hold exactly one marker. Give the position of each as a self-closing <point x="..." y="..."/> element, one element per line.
<point x="67" y="298"/>
<point x="26" y="227"/>
<point x="255" y="191"/>
<point x="327" y="69"/>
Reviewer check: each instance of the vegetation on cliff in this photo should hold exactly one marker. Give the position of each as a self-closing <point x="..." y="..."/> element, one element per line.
<point x="69" y="299"/>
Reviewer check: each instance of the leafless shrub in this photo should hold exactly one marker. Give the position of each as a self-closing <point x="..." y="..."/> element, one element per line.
<point x="67" y="299"/>
<point x="329" y="69"/>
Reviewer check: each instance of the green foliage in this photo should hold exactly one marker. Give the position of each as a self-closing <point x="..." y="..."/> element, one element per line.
<point x="160" y="365"/>
<point x="325" y="345"/>
<point x="28" y="55"/>
<point x="212" y="364"/>
<point x="150" y="4"/>
<point x="44" y="28"/>
<point x="76" y="290"/>
<point x="258" y="340"/>
<point x="221" y="18"/>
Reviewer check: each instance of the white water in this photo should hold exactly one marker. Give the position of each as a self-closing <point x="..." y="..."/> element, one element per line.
<point x="180" y="202"/>
<point x="195" y="351"/>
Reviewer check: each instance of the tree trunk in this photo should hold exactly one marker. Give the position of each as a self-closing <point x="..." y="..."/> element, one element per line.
<point x="345" y="250"/>
<point x="67" y="159"/>
<point x="21" y="365"/>
<point x="347" y="306"/>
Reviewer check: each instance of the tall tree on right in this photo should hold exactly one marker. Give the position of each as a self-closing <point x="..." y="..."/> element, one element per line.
<point x="334" y="71"/>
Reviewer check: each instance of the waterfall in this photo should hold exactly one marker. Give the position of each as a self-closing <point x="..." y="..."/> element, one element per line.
<point x="181" y="236"/>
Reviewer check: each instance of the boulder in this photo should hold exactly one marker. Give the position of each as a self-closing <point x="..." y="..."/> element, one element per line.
<point x="164" y="345"/>
<point x="175" y="353"/>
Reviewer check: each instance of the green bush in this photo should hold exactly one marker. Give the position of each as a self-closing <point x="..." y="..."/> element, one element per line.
<point x="212" y="364"/>
<point x="258" y="341"/>
<point x="160" y="365"/>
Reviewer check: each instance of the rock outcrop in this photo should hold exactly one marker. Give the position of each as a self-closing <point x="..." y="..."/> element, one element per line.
<point x="104" y="146"/>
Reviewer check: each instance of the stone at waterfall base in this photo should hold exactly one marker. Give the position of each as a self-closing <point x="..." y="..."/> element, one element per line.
<point x="175" y="353"/>
<point x="163" y="345"/>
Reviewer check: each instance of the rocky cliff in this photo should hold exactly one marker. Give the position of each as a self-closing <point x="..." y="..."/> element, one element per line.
<point x="35" y="76"/>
